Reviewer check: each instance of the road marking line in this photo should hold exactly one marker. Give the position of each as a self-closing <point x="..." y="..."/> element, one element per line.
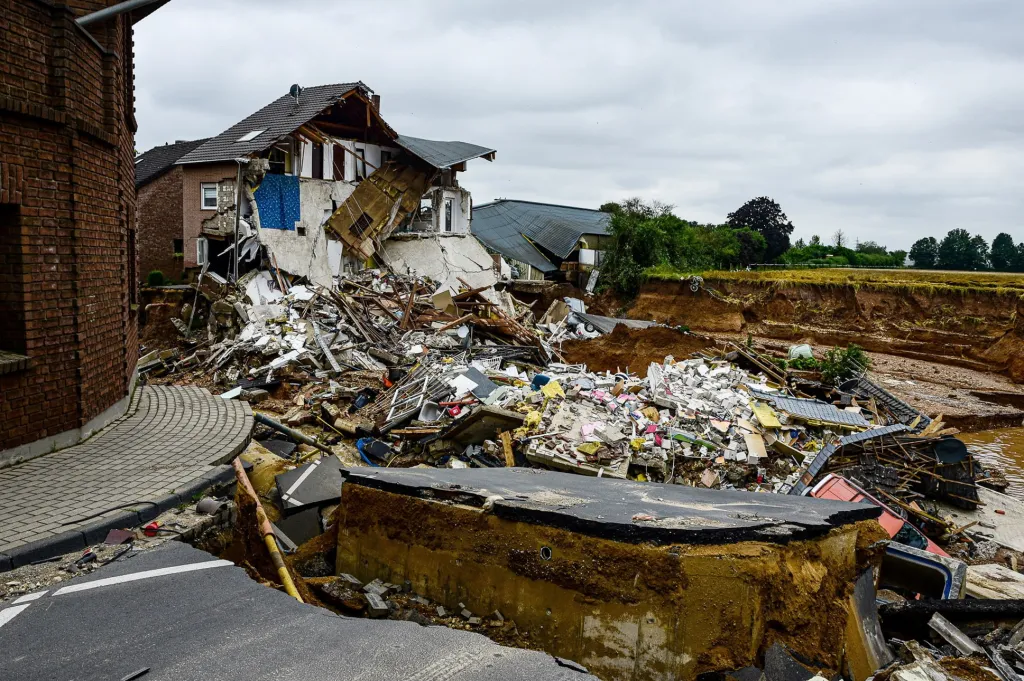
<point x="10" y="613"/>
<point x="30" y="597"/>
<point x="135" y="576"/>
<point x="302" y="478"/>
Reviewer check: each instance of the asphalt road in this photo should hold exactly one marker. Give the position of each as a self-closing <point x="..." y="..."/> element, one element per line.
<point x="179" y="614"/>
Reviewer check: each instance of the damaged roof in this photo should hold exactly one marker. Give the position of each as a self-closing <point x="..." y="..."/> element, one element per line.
<point x="279" y="118"/>
<point x="509" y="227"/>
<point x="443" y="155"/>
<point x="158" y="160"/>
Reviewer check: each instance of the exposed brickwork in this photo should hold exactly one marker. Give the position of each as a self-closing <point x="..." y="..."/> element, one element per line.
<point x="193" y="214"/>
<point x="67" y="170"/>
<point x="160" y="223"/>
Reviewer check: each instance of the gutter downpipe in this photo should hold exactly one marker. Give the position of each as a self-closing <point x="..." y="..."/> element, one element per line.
<point x="113" y="11"/>
<point x="268" y="532"/>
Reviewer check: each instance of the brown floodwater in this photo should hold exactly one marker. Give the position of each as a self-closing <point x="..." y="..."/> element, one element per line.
<point x="1001" y="449"/>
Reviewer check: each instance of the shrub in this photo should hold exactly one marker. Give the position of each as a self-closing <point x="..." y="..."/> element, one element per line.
<point x="155" y="278"/>
<point x="843" y="364"/>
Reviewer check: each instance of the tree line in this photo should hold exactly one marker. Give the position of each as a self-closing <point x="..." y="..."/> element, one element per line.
<point x="958" y="250"/>
<point x="647" y="236"/>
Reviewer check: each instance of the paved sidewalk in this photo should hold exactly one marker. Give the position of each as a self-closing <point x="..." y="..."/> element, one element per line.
<point x="171" y="444"/>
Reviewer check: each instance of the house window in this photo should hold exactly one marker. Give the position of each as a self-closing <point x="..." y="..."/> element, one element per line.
<point x="318" y="161"/>
<point x="278" y="161"/>
<point x="178" y="248"/>
<point x="386" y="156"/>
<point x="12" y="283"/>
<point x="339" y="162"/>
<point x="209" y="196"/>
<point x="447" y="215"/>
<point x="360" y="225"/>
<point x="202" y="251"/>
<point x="360" y="163"/>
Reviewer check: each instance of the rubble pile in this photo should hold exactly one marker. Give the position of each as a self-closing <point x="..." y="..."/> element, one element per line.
<point x="395" y="371"/>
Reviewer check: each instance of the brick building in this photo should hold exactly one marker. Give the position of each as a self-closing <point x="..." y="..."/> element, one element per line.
<point x="68" y="340"/>
<point x="159" y="185"/>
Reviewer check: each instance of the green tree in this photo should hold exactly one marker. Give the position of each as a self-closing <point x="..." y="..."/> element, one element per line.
<point x="871" y="248"/>
<point x="925" y="253"/>
<point x="800" y="243"/>
<point x="815" y="240"/>
<point x="752" y="246"/>
<point x="979" y="253"/>
<point x="610" y="207"/>
<point x="764" y="216"/>
<point x="960" y="251"/>
<point x="1004" y="253"/>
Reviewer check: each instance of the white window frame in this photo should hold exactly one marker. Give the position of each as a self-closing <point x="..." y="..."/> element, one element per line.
<point x="202" y="251"/>
<point x="202" y="195"/>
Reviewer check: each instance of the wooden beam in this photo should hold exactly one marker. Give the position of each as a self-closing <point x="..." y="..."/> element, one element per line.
<point x="506" y="445"/>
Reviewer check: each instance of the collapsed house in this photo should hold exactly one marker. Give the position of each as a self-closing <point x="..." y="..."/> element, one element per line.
<point x="324" y="182"/>
<point x="543" y="241"/>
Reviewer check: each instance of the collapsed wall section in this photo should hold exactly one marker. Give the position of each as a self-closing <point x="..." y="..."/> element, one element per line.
<point x="632" y="581"/>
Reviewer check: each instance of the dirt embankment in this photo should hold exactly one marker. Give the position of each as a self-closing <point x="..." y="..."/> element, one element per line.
<point x="633" y="348"/>
<point x="976" y="329"/>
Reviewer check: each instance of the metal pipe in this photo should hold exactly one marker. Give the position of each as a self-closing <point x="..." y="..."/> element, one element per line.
<point x="267" y="530"/>
<point x="114" y="10"/>
<point x="290" y="432"/>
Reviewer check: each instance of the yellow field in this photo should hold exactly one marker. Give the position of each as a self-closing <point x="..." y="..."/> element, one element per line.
<point x="931" y="280"/>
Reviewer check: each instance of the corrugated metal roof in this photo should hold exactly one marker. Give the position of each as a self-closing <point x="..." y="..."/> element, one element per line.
<point x="272" y="122"/>
<point x="813" y="410"/>
<point x="158" y="160"/>
<point x="509" y="223"/>
<point x="826" y="452"/>
<point x="442" y="154"/>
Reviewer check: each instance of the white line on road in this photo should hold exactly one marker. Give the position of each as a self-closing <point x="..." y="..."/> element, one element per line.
<point x="10" y="613"/>
<point x="28" y="598"/>
<point x="135" y="576"/>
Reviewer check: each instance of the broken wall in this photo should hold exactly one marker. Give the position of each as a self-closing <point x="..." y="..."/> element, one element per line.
<point x="193" y="214"/>
<point x="304" y="251"/>
<point x="444" y="259"/>
<point x="624" y="611"/>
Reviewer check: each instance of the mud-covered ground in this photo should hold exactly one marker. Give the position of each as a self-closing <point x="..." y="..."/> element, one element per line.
<point x="963" y="396"/>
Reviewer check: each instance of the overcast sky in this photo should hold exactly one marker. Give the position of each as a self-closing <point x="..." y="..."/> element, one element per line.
<point x="889" y="120"/>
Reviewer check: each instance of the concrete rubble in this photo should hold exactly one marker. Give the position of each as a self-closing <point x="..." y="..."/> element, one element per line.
<point x="391" y="371"/>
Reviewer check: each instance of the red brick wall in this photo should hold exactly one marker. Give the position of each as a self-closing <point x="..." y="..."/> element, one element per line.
<point x="160" y="209"/>
<point x="192" y="204"/>
<point x="67" y="163"/>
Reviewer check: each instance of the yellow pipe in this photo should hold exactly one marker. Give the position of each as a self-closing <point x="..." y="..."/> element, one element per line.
<point x="267" y="530"/>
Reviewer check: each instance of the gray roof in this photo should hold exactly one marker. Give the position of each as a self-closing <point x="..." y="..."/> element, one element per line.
<point x="508" y="226"/>
<point x="279" y="118"/>
<point x="152" y="164"/>
<point x="814" y="410"/>
<point x="442" y="155"/>
<point x="826" y="452"/>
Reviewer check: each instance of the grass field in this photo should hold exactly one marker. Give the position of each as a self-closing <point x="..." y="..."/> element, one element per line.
<point x="1000" y="283"/>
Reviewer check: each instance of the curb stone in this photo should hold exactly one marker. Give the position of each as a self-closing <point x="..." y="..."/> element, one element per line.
<point x="94" y="532"/>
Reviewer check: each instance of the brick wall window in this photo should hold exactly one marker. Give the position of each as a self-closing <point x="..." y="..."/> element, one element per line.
<point x="12" y="280"/>
<point x="202" y="251"/>
<point x="178" y="248"/>
<point x="209" y="196"/>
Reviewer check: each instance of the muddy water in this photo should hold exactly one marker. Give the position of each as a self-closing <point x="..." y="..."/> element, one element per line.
<point x="1003" y="450"/>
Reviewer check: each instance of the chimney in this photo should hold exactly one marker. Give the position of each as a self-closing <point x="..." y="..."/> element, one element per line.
<point x="376" y="101"/>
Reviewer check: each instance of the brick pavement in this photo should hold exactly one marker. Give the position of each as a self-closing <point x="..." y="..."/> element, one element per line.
<point x="169" y="440"/>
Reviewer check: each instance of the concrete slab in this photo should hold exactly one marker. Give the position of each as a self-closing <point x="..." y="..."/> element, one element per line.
<point x="623" y="510"/>
<point x="314" y="484"/>
<point x="216" y="623"/>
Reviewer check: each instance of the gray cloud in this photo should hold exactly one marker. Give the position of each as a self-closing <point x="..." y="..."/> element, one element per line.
<point x="890" y="121"/>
